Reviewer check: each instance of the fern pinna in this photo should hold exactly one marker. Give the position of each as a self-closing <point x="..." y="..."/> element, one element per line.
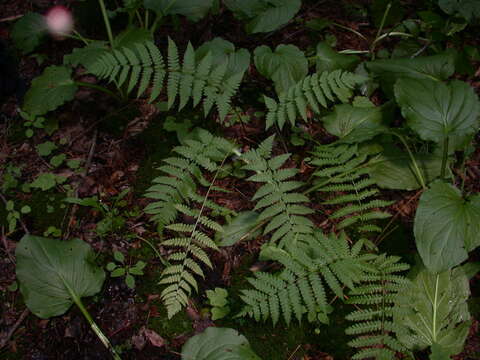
<point x="299" y="288"/>
<point x="279" y="202"/>
<point x="374" y="298"/>
<point x="343" y="170"/>
<point x="313" y="92"/>
<point x="143" y="66"/>
<point x="175" y="193"/>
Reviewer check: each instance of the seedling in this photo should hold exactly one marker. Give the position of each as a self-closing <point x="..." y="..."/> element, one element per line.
<point x="120" y="268"/>
<point x="218" y="299"/>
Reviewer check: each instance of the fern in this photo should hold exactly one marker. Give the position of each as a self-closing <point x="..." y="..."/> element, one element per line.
<point x="314" y="92"/>
<point x="343" y="171"/>
<point x="375" y="299"/>
<point x="279" y="203"/>
<point x="300" y="287"/>
<point x="143" y="66"/>
<point x="175" y="193"/>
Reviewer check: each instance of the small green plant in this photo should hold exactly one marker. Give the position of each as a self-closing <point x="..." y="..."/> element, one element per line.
<point x="121" y="268"/>
<point x="218" y="300"/>
<point x="13" y="216"/>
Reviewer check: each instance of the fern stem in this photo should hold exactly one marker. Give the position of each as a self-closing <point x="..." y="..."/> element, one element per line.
<point x="444" y="157"/>
<point x="412" y="158"/>
<point x="107" y="22"/>
<point x="160" y="257"/>
<point x="97" y="87"/>
<point x="382" y="24"/>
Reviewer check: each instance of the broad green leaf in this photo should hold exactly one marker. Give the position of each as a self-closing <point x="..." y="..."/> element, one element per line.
<point x="223" y="50"/>
<point x="50" y="90"/>
<point x="435" y="110"/>
<point x="446" y="226"/>
<point x="86" y="56"/>
<point x="437" y="67"/>
<point x="240" y="227"/>
<point x="217" y="297"/>
<point x="28" y="32"/>
<point x="46" y="148"/>
<point x="132" y="36"/>
<point x="220" y="312"/>
<point x="194" y="10"/>
<point x="218" y="344"/>
<point x="328" y="59"/>
<point x="47" y="181"/>
<point x="468" y="9"/>
<point x="264" y="15"/>
<point x="53" y="274"/>
<point x="394" y="169"/>
<point x="354" y="124"/>
<point x="434" y="311"/>
<point x="286" y="66"/>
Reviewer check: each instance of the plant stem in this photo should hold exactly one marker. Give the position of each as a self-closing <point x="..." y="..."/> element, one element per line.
<point x="107" y="21"/>
<point x="93" y="325"/>
<point x="418" y="173"/>
<point x="380" y="29"/>
<point x="97" y="87"/>
<point x="160" y="257"/>
<point x="444" y="157"/>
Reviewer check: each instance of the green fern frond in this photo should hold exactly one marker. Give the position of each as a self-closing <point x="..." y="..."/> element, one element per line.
<point x="143" y="66"/>
<point x="174" y="194"/>
<point x="374" y="298"/>
<point x="342" y="171"/>
<point x="277" y="199"/>
<point x="314" y="92"/>
<point x="308" y="270"/>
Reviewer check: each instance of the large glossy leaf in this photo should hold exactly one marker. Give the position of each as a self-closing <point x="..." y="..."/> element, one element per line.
<point x="218" y="344"/>
<point x="328" y="59"/>
<point x="28" y="32"/>
<point x="394" y="169"/>
<point x="50" y="90"/>
<point x="264" y="15"/>
<point x="54" y="273"/>
<point x="434" y="311"/>
<point x="437" y="67"/>
<point x="223" y="50"/>
<point x="286" y="66"/>
<point x="435" y="110"/>
<point x="354" y="124"/>
<point x="446" y="226"/>
<point x="193" y="9"/>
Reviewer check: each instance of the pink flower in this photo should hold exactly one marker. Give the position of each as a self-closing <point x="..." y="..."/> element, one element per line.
<point x="59" y="21"/>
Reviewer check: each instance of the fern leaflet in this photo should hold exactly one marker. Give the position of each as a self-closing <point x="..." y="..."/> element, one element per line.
<point x="314" y="92"/>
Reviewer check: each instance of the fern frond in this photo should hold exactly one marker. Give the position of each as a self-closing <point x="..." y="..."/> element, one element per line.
<point x="374" y="326"/>
<point x="300" y="288"/>
<point x="277" y="199"/>
<point x="342" y="170"/>
<point x="143" y="66"/>
<point x="313" y="92"/>
<point x="174" y="194"/>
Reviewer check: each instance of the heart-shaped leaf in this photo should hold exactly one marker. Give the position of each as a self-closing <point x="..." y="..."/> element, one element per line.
<point x="354" y="124"/>
<point x="50" y="90"/>
<point x="434" y="311"/>
<point x="54" y="274"/>
<point x="435" y="110"/>
<point x="437" y="67"/>
<point x="446" y="226"/>
<point x="264" y="15"/>
<point x="286" y="66"/>
<point x="218" y="344"/>
<point x="328" y="59"/>
<point x="28" y="32"/>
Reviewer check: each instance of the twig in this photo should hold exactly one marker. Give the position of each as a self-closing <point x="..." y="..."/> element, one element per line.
<point x="11" y="18"/>
<point x="5" y="245"/>
<point x="294" y="352"/>
<point x="14" y="328"/>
